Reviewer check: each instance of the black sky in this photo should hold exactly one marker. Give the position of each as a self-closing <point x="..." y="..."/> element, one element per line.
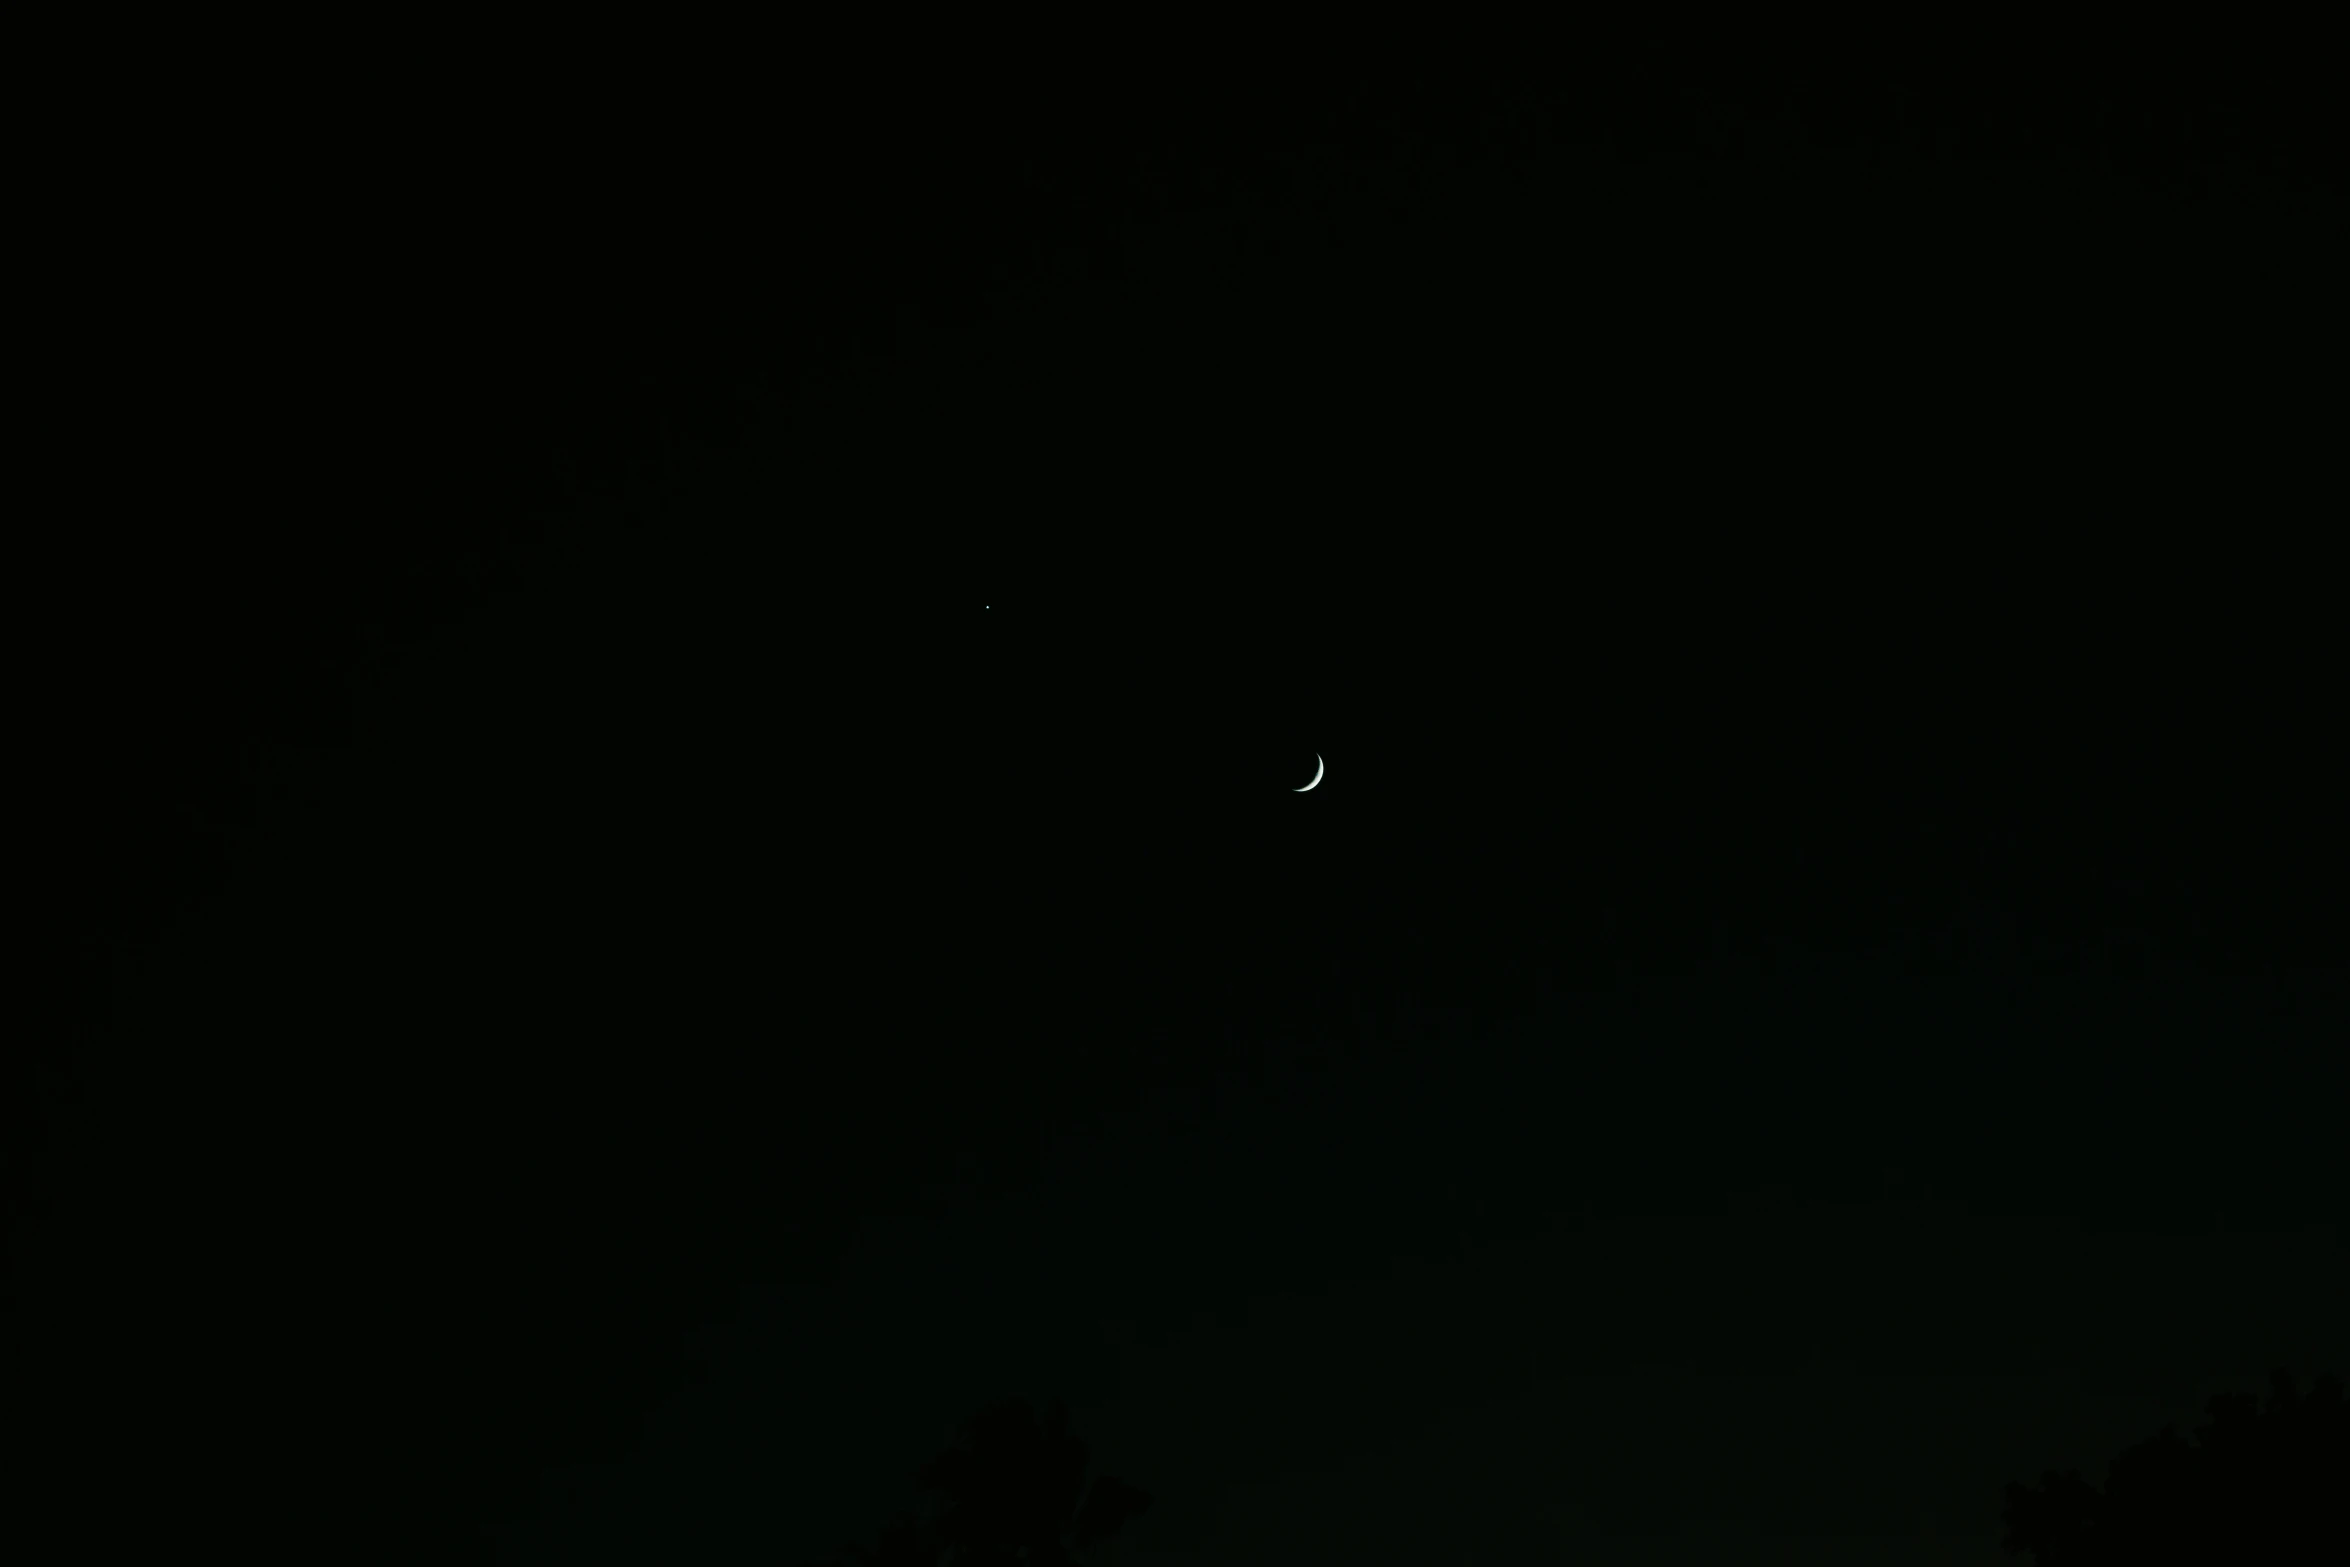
<point x="702" y="871"/>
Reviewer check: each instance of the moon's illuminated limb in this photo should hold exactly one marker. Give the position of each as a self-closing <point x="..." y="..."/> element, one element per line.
<point x="1317" y="775"/>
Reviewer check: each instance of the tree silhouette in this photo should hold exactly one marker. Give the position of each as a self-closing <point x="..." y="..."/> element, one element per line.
<point x="1015" y="1486"/>
<point x="2254" y="1489"/>
<point x="1010" y="1493"/>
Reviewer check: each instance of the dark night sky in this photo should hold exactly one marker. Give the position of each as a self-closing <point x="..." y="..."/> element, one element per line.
<point x="734" y="888"/>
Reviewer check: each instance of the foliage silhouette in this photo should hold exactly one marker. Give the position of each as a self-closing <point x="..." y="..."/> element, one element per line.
<point x="2254" y="1489"/>
<point x="1011" y="1491"/>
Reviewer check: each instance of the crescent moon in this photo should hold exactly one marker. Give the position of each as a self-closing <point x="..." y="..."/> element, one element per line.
<point x="1317" y="775"/>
